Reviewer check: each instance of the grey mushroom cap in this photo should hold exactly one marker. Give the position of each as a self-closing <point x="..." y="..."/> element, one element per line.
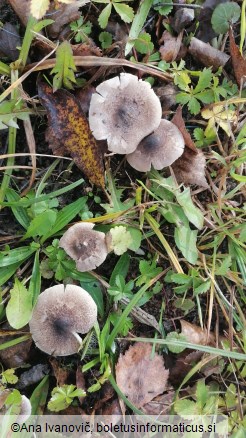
<point x="124" y="110"/>
<point x="60" y="314"/>
<point x="85" y="245"/>
<point x="159" y="149"/>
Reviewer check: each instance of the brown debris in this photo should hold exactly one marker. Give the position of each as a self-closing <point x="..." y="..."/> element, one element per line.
<point x="207" y="55"/>
<point x="179" y="122"/>
<point x="171" y="47"/>
<point x="238" y="61"/>
<point x="139" y="376"/>
<point x="69" y="132"/>
<point x="190" y="168"/>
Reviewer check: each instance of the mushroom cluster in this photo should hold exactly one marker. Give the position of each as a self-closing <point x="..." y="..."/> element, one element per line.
<point x="127" y="113"/>
<point x="60" y="314"/>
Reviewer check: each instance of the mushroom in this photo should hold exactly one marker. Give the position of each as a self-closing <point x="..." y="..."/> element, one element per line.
<point x="85" y="245"/>
<point x="60" y="314"/>
<point x="124" y="110"/>
<point x="159" y="149"/>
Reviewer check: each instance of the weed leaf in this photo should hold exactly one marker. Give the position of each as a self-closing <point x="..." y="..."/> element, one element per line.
<point x="19" y="307"/>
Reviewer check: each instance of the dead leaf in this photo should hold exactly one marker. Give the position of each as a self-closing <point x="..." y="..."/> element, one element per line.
<point x="195" y="334"/>
<point x="238" y="61"/>
<point x="106" y="394"/>
<point x="80" y="382"/>
<point x="139" y="376"/>
<point x="207" y="55"/>
<point x="160" y="405"/>
<point x="85" y="49"/>
<point x="169" y="51"/>
<point x="112" y="412"/>
<point x="84" y="96"/>
<point x="9" y="41"/>
<point x="64" y="15"/>
<point x="18" y="354"/>
<point x="61" y="373"/>
<point x="179" y="122"/>
<point x="22" y="9"/>
<point x="167" y="95"/>
<point x="183" y="17"/>
<point x="190" y="168"/>
<point x="69" y="132"/>
<point x="185" y="362"/>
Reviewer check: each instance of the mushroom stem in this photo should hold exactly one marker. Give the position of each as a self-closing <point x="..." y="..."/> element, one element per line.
<point x="79" y="339"/>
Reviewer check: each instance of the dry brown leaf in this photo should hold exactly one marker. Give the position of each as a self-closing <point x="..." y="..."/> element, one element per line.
<point x="86" y="49"/>
<point x="69" y="132"/>
<point x="190" y="168"/>
<point x="207" y="55"/>
<point x="140" y="377"/>
<point x="160" y="405"/>
<point x="179" y="122"/>
<point x="61" y="373"/>
<point x="80" y="382"/>
<point x="169" y="51"/>
<point x="22" y="9"/>
<point x="195" y="334"/>
<point x="238" y="61"/>
<point x="185" y="362"/>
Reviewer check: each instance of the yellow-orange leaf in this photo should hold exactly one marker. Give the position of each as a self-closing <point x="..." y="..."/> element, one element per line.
<point x="69" y="132"/>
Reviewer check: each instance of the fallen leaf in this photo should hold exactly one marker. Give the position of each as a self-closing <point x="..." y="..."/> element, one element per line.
<point x="171" y="47"/>
<point x="61" y="373"/>
<point x="190" y="168"/>
<point x="69" y="132"/>
<point x="112" y="412"/>
<point x="183" y="17"/>
<point x="218" y="116"/>
<point x="84" y="96"/>
<point x="106" y="394"/>
<point x="160" y="405"/>
<point x="9" y="41"/>
<point x="22" y="9"/>
<point x="179" y="122"/>
<point x="195" y="334"/>
<point x="18" y="354"/>
<point x="80" y="382"/>
<point x="207" y="55"/>
<point x="185" y="362"/>
<point x="86" y="49"/>
<point x="139" y="376"/>
<point x="238" y="61"/>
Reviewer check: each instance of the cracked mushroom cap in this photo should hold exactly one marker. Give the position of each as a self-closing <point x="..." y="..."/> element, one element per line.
<point x="159" y="149"/>
<point x="124" y="110"/>
<point x="85" y="245"/>
<point x="60" y="314"/>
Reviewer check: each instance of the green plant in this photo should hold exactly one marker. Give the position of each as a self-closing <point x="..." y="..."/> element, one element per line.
<point x="81" y="29"/>
<point x="125" y="12"/>
<point x="105" y="39"/>
<point x="224" y="15"/>
<point x="63" y="396"/>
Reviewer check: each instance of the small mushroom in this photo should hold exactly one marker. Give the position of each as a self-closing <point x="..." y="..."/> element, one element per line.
<point x="124" y="110"/>
<point x="60" y="314"/>
<point x="85" y="245"/>
<point x="159" y="149"/>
